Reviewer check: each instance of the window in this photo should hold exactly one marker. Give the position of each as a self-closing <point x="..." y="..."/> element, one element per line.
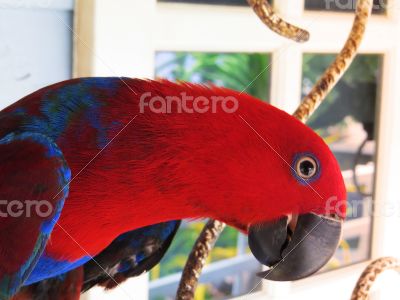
<point x="217" y="68"/>
<point x="184" y="30"/>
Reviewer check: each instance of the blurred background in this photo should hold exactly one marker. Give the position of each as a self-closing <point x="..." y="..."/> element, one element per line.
<point x="223" y="43"/>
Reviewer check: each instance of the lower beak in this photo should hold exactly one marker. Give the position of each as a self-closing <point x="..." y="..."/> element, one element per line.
<point x="298" y="254"/>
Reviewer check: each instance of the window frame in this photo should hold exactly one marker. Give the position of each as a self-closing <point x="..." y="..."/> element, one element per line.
<point x="126" y="46"/>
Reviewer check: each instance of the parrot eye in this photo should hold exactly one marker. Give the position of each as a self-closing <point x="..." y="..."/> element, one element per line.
<point x="306" y="167"/>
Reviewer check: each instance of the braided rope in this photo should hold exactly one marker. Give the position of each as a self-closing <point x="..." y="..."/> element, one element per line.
<point x="368" y="277"/>
<point x="197" y="259"/>
<point x="266" y="14"/>
<point x="213" y="228"/>
<point x="335" y="71"/>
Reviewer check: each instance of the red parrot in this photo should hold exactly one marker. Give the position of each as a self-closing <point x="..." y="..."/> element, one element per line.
<point x="100" y="167"/>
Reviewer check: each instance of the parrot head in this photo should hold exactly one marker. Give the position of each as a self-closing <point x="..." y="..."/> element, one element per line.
<point x="280" y="184"/>
<point x="298" y="175"/>
<point x="299" y="243"/>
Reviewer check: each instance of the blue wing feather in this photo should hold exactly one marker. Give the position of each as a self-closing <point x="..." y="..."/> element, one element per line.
<point x="39" y="172"/>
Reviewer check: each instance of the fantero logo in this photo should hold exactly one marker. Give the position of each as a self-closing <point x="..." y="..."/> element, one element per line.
<point x="25" y="208"/>
<point x="352" y="4"/>
<point x="185" y="103"/>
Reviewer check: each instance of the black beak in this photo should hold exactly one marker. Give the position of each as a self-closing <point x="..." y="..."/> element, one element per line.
<point x="294" y="255"/>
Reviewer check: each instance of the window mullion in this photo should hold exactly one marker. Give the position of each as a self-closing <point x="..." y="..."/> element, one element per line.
<point x="286" y="77"/>
<point x="387" y="208"/>
<point x="289" y="8"/>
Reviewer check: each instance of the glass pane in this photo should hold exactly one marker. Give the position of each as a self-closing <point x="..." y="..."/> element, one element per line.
<point x="346" y="121"/>
<point x="231" y="70"/>
<point x="234" y="267"/>
<point x="343" y="5"/>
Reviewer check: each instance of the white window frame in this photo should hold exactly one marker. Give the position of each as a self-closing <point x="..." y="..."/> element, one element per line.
<point x="125" y="35"/>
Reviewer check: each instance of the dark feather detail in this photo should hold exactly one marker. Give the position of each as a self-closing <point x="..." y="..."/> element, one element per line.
<point x="130" y="255"/>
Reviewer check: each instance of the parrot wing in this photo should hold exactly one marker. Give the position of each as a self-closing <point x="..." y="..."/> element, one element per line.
<point x="129" y="255"/>
<point x="34" y="180"/>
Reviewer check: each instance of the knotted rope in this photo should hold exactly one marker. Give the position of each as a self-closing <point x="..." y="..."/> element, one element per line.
<point x="368" y="277"/>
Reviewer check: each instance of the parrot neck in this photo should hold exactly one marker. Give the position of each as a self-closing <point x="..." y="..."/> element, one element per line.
<point x="166" y="167"/>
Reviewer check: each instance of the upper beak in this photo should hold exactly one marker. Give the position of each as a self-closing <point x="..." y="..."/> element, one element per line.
<point x="294" y="255"/>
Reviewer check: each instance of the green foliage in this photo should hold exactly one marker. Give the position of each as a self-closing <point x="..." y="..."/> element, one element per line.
<point x="363" y="69"/>
<point x="175" y="258"/>
<point x="354" y="95"/>
<point x="239" y="71"/>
